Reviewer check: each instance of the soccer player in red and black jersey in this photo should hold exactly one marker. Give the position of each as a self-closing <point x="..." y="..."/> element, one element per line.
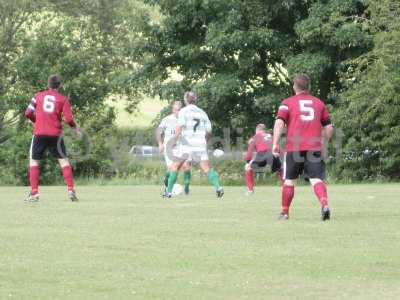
<point x="45" y="111"/>
<point x="309" y="129"/>
<point x="261" y="143"/>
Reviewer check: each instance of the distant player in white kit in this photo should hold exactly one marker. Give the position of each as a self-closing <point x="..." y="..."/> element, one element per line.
<point x="167" y="146"/>
<point x="192" y="133"/>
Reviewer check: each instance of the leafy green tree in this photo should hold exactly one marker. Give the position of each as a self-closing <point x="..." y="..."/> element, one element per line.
<point x="85" y="46"/>
<point x="333" y="33"/>
<point x="240" y="55"/>
<point x="14" y="16"/>
<point x="369" y="112"/>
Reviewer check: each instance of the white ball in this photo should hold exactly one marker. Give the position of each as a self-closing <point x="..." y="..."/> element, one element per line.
<point x="177" y="189"/>
<point x="218" y="153"/>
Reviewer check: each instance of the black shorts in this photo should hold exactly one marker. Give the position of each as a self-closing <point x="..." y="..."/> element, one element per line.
<point x="41" y="143"/>
<point x="263" y="159"/>
<point x="310" y="163"/>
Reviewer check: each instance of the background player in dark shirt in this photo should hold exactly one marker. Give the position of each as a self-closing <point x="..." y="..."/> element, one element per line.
<point x="45" y="111"/>
<point x="309" y="129"/>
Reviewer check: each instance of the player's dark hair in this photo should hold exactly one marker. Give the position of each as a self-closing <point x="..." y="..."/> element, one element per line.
<point x="54" y="81"/>
<point x="302" y="82"/>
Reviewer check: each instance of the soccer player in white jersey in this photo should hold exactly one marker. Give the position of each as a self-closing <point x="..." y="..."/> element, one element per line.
<point x="192" y="133"/>
<point x="167" y="146"/>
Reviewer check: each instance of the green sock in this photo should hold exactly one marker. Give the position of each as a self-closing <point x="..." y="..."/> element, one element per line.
<point x="171" y="180"/>
<point x="187" y="175"/>
<point x="166" y="178"/>
<point x="214" y="179"/>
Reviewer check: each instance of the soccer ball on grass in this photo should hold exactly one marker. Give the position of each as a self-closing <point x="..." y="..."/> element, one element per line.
<point x="177" y="190"/>
<point x="218" y="153"/>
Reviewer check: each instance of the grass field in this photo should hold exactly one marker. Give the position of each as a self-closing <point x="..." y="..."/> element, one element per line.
<point x="127" y="243"/>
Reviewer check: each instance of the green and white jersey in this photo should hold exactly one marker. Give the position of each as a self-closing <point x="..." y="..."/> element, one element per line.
<point x="168" y="126"/>
<point x="195" y="126"/>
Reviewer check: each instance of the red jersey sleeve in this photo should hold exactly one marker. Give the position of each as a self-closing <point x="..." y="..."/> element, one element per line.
<point x="31" y="109"/>
<point x="325" y="118"/>
<point x="283" y="112"/>
<point x="67" y="112"/>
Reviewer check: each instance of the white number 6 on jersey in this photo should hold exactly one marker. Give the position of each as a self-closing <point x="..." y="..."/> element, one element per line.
<point x="49" y="103"/>
<point x="307" y="110"/>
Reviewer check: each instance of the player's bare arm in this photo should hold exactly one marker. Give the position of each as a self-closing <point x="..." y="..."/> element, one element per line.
<point x="159" y="139"/>
<point x="30" y="110"/>
<point x="208" y="136"/>
<point x="326" y="134"/>
<point x="278" y="130"/>
<point x="78" y="131"/>
<point x="69" y="119"/>
<point x="178" y="132"/>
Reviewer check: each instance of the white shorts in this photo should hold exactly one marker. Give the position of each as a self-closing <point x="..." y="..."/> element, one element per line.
<point x="190" y="153"/>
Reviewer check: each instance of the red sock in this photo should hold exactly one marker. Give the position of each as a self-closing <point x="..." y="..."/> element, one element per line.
<point x="249" y="179"/>
<point x="321" y="193"/>
<point x="68" y="177"/>
<point x="287" y="197"/>
<point x="34" y="173"/>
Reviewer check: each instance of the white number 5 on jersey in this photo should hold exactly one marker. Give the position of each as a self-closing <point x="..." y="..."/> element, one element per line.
<point x="49" y="103"/>
<point x="307" y="111"/>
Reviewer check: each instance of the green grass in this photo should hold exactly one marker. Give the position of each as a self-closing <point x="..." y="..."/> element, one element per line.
<point x="127" y="243"/>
